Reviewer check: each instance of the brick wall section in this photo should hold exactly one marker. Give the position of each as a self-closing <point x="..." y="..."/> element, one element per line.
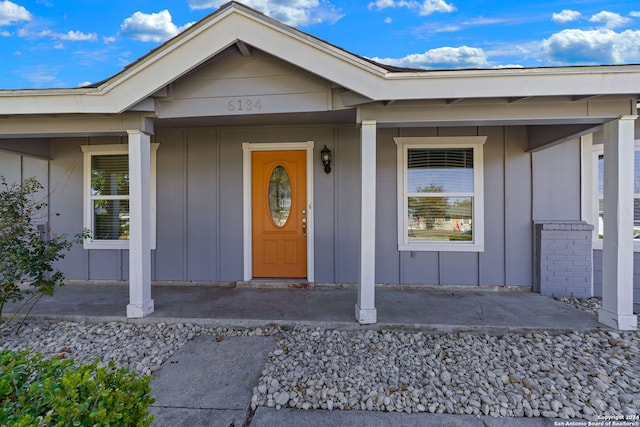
<point x="563" y="259"/>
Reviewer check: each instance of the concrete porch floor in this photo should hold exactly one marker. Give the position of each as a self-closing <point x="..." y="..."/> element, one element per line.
<point x="326" y="306"/>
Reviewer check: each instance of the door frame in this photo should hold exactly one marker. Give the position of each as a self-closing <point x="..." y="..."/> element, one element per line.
<point x="247" y="149"/>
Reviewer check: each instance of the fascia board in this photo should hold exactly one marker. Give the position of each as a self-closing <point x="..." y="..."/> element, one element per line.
<point x="169" y="64"/>
<point x="280" y="41"/>
<point x="73" y="124"/>
<point x="545" y="111"/>
<point x="606" y="80"/>
<point x="44" y="101"/>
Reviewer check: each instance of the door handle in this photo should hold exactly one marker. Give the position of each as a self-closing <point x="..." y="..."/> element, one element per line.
<point x="304" y="227"/>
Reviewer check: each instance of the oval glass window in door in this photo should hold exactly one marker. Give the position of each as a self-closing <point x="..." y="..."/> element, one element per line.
<point x="279" y="196"/>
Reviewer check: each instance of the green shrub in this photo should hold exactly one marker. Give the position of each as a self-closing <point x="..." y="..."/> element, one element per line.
<point x="25" y="257"/>
<point x="39" y="391"/>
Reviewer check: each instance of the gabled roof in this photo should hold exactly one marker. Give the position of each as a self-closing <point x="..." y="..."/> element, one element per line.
<point x="235" y="23"/>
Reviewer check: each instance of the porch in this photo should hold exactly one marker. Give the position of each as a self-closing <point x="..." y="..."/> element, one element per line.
<point x="231" y="305"/>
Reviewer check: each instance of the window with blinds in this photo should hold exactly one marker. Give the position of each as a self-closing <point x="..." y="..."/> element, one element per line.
<point x="440" y="193"/>
<point x="106" y="197"/>
<point x="110" y="196"/>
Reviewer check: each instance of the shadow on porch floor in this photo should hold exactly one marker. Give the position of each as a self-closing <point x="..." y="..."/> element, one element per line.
<point x="331" y="307"/>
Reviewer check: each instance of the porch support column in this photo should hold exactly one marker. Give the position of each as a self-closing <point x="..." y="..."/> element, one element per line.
<point x="365" y="308"/>
<point x="140" y="302"/>
<point x="617" y="263"/>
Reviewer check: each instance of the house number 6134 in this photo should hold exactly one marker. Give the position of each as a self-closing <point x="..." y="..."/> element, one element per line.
<point x="244" y="105"/>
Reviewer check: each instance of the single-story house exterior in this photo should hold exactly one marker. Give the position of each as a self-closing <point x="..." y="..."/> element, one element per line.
<point x="246" y="150"/>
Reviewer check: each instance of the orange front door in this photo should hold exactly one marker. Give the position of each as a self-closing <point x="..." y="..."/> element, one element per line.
<point x="279" y="208"/>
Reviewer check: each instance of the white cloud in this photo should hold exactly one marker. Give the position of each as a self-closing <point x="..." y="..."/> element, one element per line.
<point x="508" y="66"/>
<point x="77" y="36"/>
<point x="603" y="46"/>
<point x="11" y="12"/>
<point x="69" y="36"/>
<point x="565" y="16"/>
<point x="431" y="6"/>
<point x="486" y="21"/>
<point x="382" y="4"/>
<point x="635" y="13"/>
<point x="40" y="75"/>
<point x="388" y="20"/>
<point x="108" y="39"/>
<point x="447" y="29"/>
<point x="151" y="27"/>
<point x="609" y="19"/>
<point x="425" y="30"/>
<point x="424" y="8"/>
<point x="291" y="12"/>
<point x="5" y="34"/>
<point x="443" y="57"/>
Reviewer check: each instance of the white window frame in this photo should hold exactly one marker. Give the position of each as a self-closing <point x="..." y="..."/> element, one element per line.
<point x="590" y="208"/>
<point x="474" y="142"/>
<point x="105" y="150"/>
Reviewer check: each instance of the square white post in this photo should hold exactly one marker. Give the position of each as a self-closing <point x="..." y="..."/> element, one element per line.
<point x="617" y="263"/>
<point x="365" y="308"/>
<point x="140" y="302"/>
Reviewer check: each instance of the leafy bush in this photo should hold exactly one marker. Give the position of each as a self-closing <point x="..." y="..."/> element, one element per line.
<point x="38" y="391"/>
<point x="25" y="257"/>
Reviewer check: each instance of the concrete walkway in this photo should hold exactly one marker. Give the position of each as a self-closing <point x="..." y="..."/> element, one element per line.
<point x="210" y="382"/>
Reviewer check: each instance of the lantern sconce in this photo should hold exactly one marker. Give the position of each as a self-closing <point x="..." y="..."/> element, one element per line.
<point x="325" y="156"/>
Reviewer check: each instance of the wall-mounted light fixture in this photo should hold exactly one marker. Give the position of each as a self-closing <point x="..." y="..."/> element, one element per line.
<point x="325" y="156"/>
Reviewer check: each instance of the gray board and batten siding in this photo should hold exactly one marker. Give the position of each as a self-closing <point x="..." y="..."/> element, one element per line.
<point x="199" y="206"/>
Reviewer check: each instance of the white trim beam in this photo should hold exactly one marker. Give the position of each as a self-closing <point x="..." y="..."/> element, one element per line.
<point x="140" y="302"/>
<point x="617" y="263"/>
<point x="581" y="97"/>
<point x="365" y="308"/>
<point x="74" y="125"/>
<point x="544" y="112"/>
<point x="518" y="99"/>
<point x="243" y="48"/>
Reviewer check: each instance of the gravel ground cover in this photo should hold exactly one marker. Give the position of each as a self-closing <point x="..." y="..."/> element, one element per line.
<point x="577" y="375"/>
<point x="142" y="348"/>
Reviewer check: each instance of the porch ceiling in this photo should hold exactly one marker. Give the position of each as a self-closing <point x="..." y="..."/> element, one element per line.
<point x="37" y="147"/>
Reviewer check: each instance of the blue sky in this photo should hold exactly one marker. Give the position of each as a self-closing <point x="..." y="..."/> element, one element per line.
<point x="51" y="43"/>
